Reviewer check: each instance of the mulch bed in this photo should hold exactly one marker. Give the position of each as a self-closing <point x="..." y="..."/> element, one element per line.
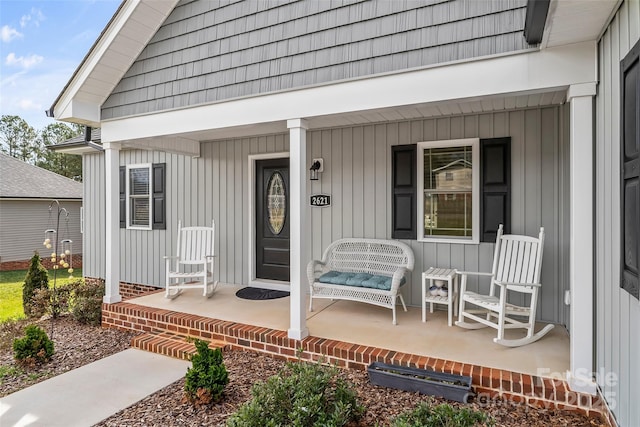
<point x="76" y="345"/>
<point x="168" y="408"/>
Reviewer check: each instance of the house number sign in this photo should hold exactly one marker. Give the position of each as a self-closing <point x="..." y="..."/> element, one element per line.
<point x="320" y="200"/>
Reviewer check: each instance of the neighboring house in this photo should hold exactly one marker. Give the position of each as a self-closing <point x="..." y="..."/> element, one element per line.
<point x="199" y="101"/>
<point x="26" y="194"/>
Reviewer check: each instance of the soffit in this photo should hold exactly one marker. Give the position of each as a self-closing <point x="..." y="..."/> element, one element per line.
<point x="443" y="109"/>
<point x="400" y="113"/>
<point x="575" y="21"/>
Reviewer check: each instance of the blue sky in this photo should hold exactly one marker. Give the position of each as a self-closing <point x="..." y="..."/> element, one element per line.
<point x="41" y="45"/>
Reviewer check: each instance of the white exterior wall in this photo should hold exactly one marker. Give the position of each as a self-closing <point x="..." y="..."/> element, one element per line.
<point x="357" y="174"/>
<point x="617" y="312"/>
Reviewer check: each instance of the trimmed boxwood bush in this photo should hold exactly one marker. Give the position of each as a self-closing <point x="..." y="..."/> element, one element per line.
<point x="34" y="347"/>
<point x="303" y="394"/>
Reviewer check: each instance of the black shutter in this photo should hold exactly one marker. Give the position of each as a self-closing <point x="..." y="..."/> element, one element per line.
<point x="495" y="187"/>
<point x="404" y="179"/>
<point x="159" y="196"/>
<point x="630" y="167"/>
<point x="123" y="197"/>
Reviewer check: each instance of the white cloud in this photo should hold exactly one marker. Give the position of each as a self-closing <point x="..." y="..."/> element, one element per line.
<point x="8" y="33"/>
<point x="35" y="17"/>
<point x="24" y="62"/>
<point x="41" y="85"/>
<point x="28" y="104"/>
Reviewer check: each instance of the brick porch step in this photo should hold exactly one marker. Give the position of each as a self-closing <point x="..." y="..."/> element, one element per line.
<point x="170" y="344"/>
<point x="158" y="324"/>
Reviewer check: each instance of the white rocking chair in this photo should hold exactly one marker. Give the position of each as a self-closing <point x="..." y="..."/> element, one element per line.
<point x="195" y="248"/>
<point x="517" y="263"/>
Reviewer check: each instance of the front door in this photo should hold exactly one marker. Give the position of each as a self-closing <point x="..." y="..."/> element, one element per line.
<point x="272" y="219"/>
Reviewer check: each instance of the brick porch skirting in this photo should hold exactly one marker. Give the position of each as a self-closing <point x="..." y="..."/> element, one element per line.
<point x="128" y="290"/>
<point x="489" y="383"/>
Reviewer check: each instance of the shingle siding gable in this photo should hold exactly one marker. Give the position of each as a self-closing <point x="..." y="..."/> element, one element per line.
<point x="208" y="51"/>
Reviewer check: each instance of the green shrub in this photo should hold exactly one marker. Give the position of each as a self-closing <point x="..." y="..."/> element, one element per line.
<point x="83" y="300"/>
<point x="207" y="378"/>
<point x="52" y="302"/>
<point x="303" y="394"/>
<point x="34" y="347"/>
<point x="86" y="305"/>
<point x="35" y="279"/>
<point x="443" y="415"/>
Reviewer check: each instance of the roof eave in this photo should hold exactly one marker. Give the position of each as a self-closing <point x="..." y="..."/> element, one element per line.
<point x="79" y="148"/>
<point x="77" y="104"/>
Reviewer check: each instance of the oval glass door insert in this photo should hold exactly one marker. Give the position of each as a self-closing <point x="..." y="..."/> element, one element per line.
<point x="276" y="203"/>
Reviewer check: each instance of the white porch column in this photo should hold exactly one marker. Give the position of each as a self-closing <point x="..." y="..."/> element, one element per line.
<point x="582" y="237"/>
<point x="299" y="227"/>
<point x="112" y="222"/>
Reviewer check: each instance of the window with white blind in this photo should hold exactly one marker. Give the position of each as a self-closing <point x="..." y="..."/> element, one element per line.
<point x="139" y="196"/>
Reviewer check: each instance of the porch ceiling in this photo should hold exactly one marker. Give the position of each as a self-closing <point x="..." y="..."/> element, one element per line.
<point x="403" y="112"/>
<point x="442" y="109"/>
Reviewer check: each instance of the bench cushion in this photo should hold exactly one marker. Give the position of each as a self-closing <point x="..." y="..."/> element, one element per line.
<point x="361" y="280"/>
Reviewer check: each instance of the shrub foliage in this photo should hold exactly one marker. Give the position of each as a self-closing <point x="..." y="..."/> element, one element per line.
<point x="207" y="378"/>
<point x="34" y="347"/>
<point x="303" y="394"/>
<point x="86" y="306"/>
<point x="443" y="415"/>
<point x="83" y="300"/>
<point x="36" y="278"/>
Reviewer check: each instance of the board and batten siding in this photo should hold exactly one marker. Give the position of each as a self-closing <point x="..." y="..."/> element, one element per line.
<point x="23" y="223"/>
<point x="213" y="186"/>
<point x="617" y="312"/>
<point x="358" y="177"/>
<point x="208" y="50"/>
<point x="357" y="174"/>
<point x="94" y="237"/>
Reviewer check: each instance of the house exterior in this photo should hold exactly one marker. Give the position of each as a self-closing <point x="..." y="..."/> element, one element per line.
<point x="26" y="194"/>
<point x="200" y="103"/>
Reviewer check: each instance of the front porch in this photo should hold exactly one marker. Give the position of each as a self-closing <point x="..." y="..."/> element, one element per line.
<point x="353" y="335"/>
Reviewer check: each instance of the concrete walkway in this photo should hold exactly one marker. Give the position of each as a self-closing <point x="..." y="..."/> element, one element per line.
<point x="91" y="393"/>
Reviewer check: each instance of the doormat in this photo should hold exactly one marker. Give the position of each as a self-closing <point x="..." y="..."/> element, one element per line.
<point x="260" y="294"/>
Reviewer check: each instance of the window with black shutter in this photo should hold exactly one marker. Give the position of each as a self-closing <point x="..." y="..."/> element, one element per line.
<point x="630" y="168"/>
<point x="451" y="191"/>
<point x="142" y="196"/>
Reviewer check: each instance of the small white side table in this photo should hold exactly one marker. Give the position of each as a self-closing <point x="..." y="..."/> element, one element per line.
<point x="448" y="275"/>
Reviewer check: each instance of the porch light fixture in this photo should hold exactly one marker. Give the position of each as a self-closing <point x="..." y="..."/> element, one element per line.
<point x="316" y="167"/>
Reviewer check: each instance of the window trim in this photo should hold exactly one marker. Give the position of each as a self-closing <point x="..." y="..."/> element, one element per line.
<point x="147" y="166"/>
<point x="475" y="189"/>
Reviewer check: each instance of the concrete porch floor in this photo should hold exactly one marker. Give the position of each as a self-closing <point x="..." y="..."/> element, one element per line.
<point x="369" y="325"/>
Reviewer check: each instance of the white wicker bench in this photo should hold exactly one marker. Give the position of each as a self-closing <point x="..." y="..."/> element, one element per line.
<point x="365" y="270"/>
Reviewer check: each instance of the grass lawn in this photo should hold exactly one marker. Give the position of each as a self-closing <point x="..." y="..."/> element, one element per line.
<point x="11" y="291"/>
